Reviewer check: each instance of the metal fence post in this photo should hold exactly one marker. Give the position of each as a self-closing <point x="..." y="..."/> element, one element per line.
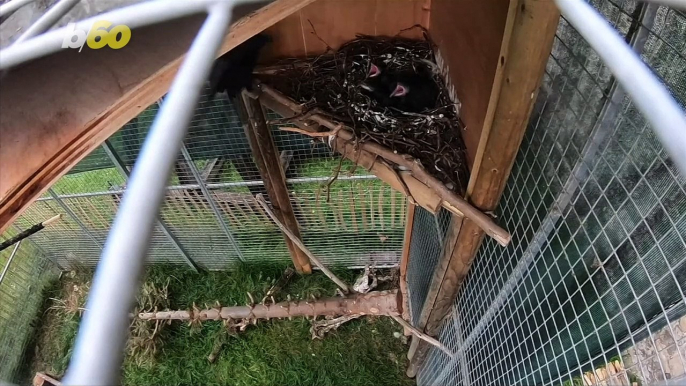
<point x="99" y="348"/>
<point x="71" y="214"/>
<point x="117" y="161"/>
<point x="210" y="200"/>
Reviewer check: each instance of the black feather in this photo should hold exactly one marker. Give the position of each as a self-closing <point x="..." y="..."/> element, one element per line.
<point x="233" y="71"/>
<point x="421" y="90"/>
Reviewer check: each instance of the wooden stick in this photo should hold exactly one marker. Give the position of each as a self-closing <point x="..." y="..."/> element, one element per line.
<point x="372" y="303"/>
<point x="422" y="335"/>
<point x="405" y="259"/>
<point x="269" y="164"/>
<point x="454" y="202"/>
<point x="28" y="232"/>
<point x="311" y="133"/>
<point x="344" y="287"/>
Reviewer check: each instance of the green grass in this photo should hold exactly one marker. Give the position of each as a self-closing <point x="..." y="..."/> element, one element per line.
<point x="361" y="352"/>
<point x="87" y="182"/>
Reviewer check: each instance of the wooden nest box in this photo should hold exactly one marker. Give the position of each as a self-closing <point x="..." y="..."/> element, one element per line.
<point x="57" y="109"/>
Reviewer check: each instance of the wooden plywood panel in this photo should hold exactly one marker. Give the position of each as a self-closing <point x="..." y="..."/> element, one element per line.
<point x="393" y="16"/>
<point x="50" y="105"/>
<point x="528" y="47"/>
<point x="336" y="22"/>
<point x="57" y="109"/>
<point x="288" y="40"/>
<point x="469" y="35"/>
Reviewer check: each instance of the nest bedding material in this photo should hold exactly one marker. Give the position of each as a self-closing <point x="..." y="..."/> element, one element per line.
<point x="332" y="83"/>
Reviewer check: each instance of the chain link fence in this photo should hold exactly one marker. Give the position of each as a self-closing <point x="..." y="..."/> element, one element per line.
<point x="591" y="289"/>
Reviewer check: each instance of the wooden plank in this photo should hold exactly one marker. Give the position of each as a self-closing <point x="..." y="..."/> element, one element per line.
<point x="86" y="96"/>
<point x="353" y="210"/>
<point x="400" y="181"/>
<point x="393" y="209"/>
<point x="530" y="43"/>
<point x="394" y="16"/>
<point x="336" y="22"/>
<point x="340" y="210"/>
<point x="470" y="29"/>
<point x="404" y="260"/>
<point x="381" y="201"/>
<point x="41" y="379"/>
<point x="288" y="40"/>
<point x="260" y="138"/>
<point x="266" y="178"/>
<point x="363" y="210"/>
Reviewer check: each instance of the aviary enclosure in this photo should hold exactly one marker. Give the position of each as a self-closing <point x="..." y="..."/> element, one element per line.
<point x="546" y="247"/>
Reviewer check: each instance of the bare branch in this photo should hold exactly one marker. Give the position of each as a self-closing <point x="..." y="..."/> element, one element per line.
<point x="344" y="287"/>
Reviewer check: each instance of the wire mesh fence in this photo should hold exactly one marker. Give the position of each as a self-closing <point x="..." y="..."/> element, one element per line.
<point x="347" y="216"/>
<point x="24" y="275"/>
<point x="426" y="247"/>
<point x="591" y="289"/>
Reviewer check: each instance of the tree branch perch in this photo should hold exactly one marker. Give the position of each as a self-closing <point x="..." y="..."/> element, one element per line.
<point x="450" y="200"/>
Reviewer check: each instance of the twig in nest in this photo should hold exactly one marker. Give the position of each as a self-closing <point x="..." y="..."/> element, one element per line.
<point x="422" y="335"/>
<point x="450" y="200"/>
<point x="331" y="82"/>
<point x="313" y="133"/>
<point x="333" y="179"/>
<point x="314" y="32"/>
<point x="344" y="287"/>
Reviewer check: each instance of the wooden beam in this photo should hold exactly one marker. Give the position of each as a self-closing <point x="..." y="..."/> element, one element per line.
<point x="57" y="109"/>
<point x="448" y="198"/>
<point x="269" y="163"/>
<point x="470" y="29"/>
<point x="405" y="259"/>
<point x="530" y="43"/>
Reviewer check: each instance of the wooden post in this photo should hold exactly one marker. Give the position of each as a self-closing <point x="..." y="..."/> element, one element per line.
<point x="269" y="164"/>
<point x="405" y="258"/>
<point x="523" y="57"/>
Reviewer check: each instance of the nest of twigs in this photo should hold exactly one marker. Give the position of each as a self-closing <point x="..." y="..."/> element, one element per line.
<point x="331" y="83"/>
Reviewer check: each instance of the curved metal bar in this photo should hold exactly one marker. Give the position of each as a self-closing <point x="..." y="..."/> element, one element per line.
<point x="100" y="343"/>
<point x="49" y="18"/>
<point x="134" y="16"/>
<point x="647" y="92"/>
<point x="12" y="6"/>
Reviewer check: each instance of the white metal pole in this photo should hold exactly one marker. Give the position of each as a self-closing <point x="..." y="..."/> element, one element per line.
<point x="49" y="18"/>
<point x="134" y="16"/>
<point x="100" y="343"/>
<point x="12" y="6"/>
<point x="9" y="261"/>
<point x="646" y="91"/>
